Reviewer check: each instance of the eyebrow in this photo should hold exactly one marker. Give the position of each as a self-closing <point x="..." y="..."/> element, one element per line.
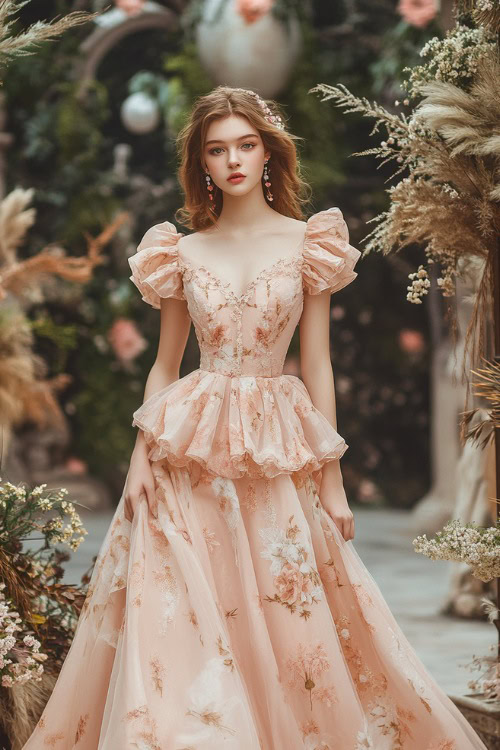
<point x="249" y="135"/>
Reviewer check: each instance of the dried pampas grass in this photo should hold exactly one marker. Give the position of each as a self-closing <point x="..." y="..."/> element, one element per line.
<point x="28" y="40"/>
<point x="483" y="12"/>
<point x="25" y="392"/>
<point x="21" y="707"/>
<point x="449" y="202"/>
<point x="17" y="276"/>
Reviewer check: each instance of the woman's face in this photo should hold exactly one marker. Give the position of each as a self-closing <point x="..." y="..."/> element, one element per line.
<point x="232" y="145"/>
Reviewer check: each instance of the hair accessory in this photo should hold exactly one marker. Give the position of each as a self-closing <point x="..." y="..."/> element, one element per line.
<point x="270" y="117"/>
<point x="267" y="181"/>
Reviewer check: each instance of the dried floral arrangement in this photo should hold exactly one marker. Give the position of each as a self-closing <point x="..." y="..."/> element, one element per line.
<point x="479" y="548"/>
<point x="487" y="684"/>
<point x="38" y="613"/>
<point x="449" y="147"/>
<point x="475" y="545"/>
<point x="24" y="392"/>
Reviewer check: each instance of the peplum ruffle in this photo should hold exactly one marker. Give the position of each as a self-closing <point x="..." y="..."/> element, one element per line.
<point x="238" y="426"/>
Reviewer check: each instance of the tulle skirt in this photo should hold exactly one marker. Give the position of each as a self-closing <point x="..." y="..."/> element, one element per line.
<point x="240" y="619"/>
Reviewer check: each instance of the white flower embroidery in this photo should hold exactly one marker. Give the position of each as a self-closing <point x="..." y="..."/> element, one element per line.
<point x="170" y="602"/>
<point x="363" y="742"/>
<point x="278" y="549"/>
<point x="208" y="716"/>
<point x="224" y="489"/>
<point x="247" y="383"/>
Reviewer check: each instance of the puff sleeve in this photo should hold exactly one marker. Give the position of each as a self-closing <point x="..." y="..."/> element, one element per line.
<point x="155" y="265"/>
<point x="329" y="259"/>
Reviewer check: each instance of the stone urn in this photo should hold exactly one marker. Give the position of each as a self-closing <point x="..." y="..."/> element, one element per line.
<point x="483" y="716"/>
<point x="259" y="55"/>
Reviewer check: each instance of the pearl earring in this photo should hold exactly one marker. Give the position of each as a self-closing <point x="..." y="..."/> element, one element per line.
<point x="267" y="181"/>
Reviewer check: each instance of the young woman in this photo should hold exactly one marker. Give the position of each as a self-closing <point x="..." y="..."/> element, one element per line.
<point x="228" y="607"/>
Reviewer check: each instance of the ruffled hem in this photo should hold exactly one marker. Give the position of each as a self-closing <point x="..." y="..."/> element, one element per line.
<point x="155" y="266"/>
<point x="329" y="259"/>
<point x="238" y="426"/>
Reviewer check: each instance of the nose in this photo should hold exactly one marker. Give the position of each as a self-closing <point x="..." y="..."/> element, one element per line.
<point x="233" y="159"/>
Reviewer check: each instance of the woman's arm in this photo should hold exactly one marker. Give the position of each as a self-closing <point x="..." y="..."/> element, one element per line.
<point x="317" y="374"/>
<point x="174" y="331"/>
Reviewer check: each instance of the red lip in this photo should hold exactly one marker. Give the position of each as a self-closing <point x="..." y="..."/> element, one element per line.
<point x="235" y="175"/>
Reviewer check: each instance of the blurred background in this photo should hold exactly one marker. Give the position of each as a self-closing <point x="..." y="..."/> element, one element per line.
<point x="87" y="146"/>
<point x="93" y="120"/>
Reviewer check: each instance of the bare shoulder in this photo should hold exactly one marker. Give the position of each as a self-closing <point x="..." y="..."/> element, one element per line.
<point x="288" y="227"/>
<point x="191" y="245"/>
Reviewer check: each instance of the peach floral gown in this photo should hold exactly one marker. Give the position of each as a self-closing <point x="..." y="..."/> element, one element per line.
<point x="240" y="618"/>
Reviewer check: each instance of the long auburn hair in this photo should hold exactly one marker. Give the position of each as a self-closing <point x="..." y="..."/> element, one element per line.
<point x="290" y="191"/>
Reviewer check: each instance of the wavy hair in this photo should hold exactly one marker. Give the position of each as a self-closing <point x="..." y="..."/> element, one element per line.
<point x="290" y="191"/>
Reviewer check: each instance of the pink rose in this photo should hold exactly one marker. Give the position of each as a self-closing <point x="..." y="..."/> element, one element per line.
<point x="417" y="12"/>
<point x="125" y="339"/>
<point x="252" y="10"/>
<point x="290" y="583"/>
<point x="411" y="341"/>
<point x="130" y="7"/>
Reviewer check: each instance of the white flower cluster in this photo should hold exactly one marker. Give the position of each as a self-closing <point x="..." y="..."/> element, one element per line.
<point x="477" y="546"/>
<point x="487" y="5"/>
<point x="453" y="59"/>
<point x="73" y="533"/>
<point x="419" y="286"/>
<point x="447" y="285"/>
<point x="8" y="490"/>
<point x="25" y="664"/>
<point x="37" y="500"/>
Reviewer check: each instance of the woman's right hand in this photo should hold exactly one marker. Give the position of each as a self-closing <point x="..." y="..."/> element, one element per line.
<point x="140" y="481"/>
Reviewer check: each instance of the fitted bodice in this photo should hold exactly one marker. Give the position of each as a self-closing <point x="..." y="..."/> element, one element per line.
<point x="247" y="334"/>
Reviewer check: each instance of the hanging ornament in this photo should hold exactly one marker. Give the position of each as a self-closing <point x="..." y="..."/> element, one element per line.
<point x="140" y="113"/>
<point x="257" y="55"/>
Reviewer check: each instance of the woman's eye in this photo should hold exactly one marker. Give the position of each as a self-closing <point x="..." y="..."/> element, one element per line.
<point x="216" y="149"/>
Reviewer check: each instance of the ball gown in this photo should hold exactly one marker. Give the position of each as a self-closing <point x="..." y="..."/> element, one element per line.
<point x="240" y="619"/>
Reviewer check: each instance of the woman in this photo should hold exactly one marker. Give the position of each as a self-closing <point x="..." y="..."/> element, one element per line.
<point x="228" y="607"/>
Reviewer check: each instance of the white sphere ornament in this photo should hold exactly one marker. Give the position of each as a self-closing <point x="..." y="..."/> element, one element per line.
<point x="140" y="113"/>
<point x="259" y="55"/>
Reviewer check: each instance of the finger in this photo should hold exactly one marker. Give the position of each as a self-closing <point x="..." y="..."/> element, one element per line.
<point x="345" y="526"/>
<point x="152" y="502"/>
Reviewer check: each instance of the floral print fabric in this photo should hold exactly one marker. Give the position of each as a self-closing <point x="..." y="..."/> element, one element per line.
<point x="240" y="618"/>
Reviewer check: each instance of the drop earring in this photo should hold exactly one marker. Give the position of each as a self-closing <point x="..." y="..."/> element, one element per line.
<point x="267" y="182"/>
<point x="210" y="189"/>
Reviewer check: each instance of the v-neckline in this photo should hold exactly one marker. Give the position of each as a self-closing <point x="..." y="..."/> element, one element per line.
<point x="226" y="285"/>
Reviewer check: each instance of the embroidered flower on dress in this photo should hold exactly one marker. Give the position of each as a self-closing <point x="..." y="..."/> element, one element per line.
<point x="307" y="666"/>
<point x="296" y="581"/>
